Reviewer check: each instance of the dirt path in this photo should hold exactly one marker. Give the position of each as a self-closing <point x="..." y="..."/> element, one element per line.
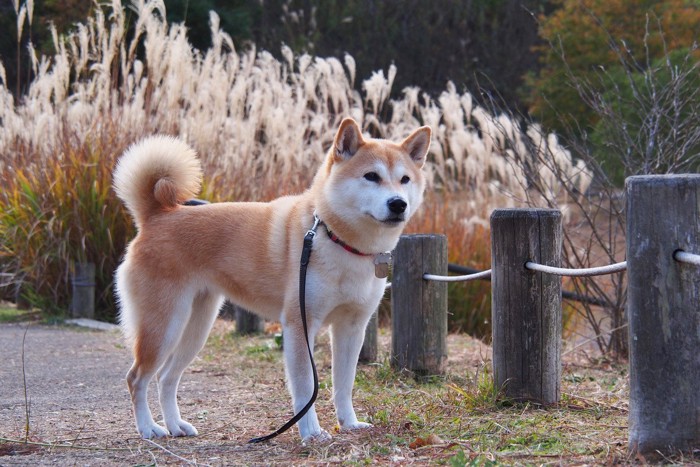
<point x="78" y="398"/>
<point x="70" y="374"/>
<point x="75" y="389"/>
<point x="80" y="409"/>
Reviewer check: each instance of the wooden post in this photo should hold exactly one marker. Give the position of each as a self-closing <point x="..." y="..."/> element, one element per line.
<point x="21" y="300"/>
<point x="419" y="307"/>
<point x="368" y="353"/>
<point x="247" y="322"/>
<point x="227" y="311"/>
<point x="526" y="305"/>
<point x="663" y="307"/>
<point x="83" y="299"/>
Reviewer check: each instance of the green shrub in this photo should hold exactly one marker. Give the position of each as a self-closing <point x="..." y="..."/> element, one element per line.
<point x="56" y="211"/>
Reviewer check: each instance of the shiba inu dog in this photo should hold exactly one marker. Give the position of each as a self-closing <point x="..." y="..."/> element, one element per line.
<point x="185" y="259"/>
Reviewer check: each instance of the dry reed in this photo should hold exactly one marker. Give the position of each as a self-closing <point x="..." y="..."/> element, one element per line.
<point x="250" y="114"/>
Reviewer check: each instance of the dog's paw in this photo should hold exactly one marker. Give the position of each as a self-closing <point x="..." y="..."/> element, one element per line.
<point x="181" y="428"/>
<point x="318" y="438"/>
<point x="153" y="431"/>
<point x="356" y="426"/>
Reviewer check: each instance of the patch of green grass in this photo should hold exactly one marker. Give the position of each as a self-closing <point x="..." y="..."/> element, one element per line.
<point x="461" y="459"/>
<point x="13" y="315"/>
<point x="257" y="349"/>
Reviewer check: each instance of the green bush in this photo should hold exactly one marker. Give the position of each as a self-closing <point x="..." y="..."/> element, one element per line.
<point x="56" y="211"/>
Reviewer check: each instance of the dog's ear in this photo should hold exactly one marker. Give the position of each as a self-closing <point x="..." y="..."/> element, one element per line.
<point x="417" y="145"/>
<point x="348" y="140"/>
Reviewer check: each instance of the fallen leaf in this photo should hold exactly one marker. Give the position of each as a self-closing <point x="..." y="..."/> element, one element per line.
<point x="431" y="440"/>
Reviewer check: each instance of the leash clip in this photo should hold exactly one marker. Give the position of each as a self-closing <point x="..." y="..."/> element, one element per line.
<point x="308" y="241"/>
<point x="311" y="233"/>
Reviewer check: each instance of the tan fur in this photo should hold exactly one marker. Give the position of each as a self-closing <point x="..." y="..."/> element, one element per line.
<point x="186" y="258"/>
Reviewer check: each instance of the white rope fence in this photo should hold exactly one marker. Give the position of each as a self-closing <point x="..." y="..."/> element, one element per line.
<point x="585" y="272"/>
<point x="524" y="238"/>
<point x="685" y="257"/>
<point x="680" y="256"/>
<point x="468" y="277"/>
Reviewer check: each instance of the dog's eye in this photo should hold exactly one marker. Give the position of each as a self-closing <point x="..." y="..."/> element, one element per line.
<point x="372" y="177"/>
<point x="405" y="179"/>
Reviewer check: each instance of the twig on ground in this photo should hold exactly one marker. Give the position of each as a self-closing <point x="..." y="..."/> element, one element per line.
<point x="24" y="380"/>
<point x="66" y="446"/>
<point x="167" y="451"/>
<point x="594" y="402"/>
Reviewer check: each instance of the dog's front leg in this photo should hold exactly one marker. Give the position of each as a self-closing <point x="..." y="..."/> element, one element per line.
<point x="300" y="379"/>
<point x="347" y="336"/>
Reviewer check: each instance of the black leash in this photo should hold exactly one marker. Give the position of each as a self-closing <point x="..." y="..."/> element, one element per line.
<point x="305" y="257"/>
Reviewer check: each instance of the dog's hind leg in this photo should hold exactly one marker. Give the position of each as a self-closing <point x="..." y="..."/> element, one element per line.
<point x="137" y="379"/>
<point x="204" y="311"/>
<point x="145" y="365"/>
<point x="155" y="335"/>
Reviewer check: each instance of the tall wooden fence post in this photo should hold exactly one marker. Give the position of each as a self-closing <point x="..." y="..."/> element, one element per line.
<point x="83" y="282"/>
<point x="526" y="305"/>
<point x="419" y="307"/>
<point x="663" y="307"/>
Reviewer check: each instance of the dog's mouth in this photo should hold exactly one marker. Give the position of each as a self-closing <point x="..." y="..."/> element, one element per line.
<point x="394" y="219"/>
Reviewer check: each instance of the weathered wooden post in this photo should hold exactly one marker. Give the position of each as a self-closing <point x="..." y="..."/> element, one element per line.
<point x="526" y="305"/>
<point x="227" y="311"/>
<point x="21" y="300"/>
<point x="419" y="307"/>
<point x="247" y="322"/>
<point x="368" y="353"/>
<point x="83" y="282"/>
<point x="663" y="307"/>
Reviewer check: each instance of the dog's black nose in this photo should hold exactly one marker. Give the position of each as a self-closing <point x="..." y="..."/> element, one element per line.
<point x="397" y="205"/>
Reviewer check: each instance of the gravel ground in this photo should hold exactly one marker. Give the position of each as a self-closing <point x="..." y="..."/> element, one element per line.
<point x="79" y="407"/>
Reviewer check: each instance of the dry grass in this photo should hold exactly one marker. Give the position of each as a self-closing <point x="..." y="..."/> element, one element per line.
<point x="262" y="124"/>
<point x="261" y="127"/>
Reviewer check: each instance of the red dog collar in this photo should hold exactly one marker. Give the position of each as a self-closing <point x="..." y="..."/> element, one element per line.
<point x="347" y="247"/>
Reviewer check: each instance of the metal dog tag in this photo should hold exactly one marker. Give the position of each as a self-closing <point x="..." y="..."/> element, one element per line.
<point x="381" y="265"/>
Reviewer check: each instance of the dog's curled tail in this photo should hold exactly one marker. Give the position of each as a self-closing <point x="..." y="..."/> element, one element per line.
<point x="155" y="175"/>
